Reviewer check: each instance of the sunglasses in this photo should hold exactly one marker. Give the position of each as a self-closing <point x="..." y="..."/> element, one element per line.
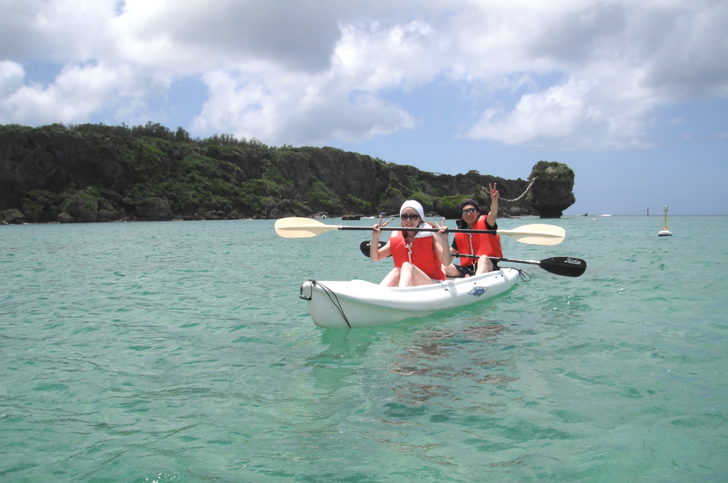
<point x="406" y="216"/>
<point x="469" y="211"/>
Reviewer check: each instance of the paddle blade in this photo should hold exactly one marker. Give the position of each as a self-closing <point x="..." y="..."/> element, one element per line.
<point x="566" y="266"/>
<point x="366" y="247"/>
<point x="301" y="227"/>
<point x="536" y="234"/>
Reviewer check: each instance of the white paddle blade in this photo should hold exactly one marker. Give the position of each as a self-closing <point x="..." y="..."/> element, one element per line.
<point x="301" y="228"/>
<point x="537" y="234"/>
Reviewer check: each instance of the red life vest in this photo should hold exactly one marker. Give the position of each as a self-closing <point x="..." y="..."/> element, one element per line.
<point x="420" y="254"/>
<point x="478" y="243"/>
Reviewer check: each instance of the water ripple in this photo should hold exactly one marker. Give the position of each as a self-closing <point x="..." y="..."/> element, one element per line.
<point x="180" y="352"/>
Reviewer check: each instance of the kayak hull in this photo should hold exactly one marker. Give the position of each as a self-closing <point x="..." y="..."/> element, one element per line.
<point x="358" y="303"/>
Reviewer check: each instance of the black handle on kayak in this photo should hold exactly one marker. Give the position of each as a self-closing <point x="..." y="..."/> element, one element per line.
<point x="565" y="266"/>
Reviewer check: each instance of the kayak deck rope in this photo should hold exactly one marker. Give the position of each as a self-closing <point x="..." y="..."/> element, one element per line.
<point x="334" y="300"/>
<point x="525" y="276"/>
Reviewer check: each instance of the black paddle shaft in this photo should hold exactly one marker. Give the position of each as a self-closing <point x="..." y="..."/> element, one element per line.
<point x="565" y="266"/>
<point x="402" y="228"/>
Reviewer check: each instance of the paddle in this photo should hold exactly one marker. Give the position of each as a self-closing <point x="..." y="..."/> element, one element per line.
<point x="566" y="266"/>
<point x="529" y="234"/>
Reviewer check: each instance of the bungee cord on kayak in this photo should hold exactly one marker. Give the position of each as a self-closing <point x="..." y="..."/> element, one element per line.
<point x="327" y="291"/>
<point x="525" y="276"/>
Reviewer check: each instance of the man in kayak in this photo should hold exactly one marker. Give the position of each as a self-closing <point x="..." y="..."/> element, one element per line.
<point x="476" y="244"/>
<point x="419" y="256"/>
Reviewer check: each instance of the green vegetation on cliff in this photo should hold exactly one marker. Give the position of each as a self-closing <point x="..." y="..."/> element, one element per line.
<point x="93" y="172"/>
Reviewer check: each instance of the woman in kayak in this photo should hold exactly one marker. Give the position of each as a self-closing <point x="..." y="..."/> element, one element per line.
<point x="418" y="256"/>
<point x="476" y="244"/>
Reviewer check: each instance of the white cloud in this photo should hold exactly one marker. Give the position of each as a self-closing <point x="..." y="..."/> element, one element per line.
<point x="618" y="62"/>
<point x="287" y="109"/>
<point x="341" y="102"/>
<point x="11" y="78"/>
<point x="572" y="115"/>
<point x="376" y="59"/>
<point x="567" y="74"/>
<point x="62" y="31"/>
<point x="77" y="93"/>
<point x="692" y="59"/>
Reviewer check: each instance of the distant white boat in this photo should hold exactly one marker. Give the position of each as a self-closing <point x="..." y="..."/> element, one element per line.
<point x="605" y="215"/>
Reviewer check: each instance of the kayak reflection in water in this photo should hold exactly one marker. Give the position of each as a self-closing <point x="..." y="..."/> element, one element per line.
<point x="418" y="256"/>
<point x="476" y="244"/>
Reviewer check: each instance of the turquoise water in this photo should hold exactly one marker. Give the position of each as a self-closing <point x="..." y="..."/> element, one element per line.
<point x="181" y="352"/>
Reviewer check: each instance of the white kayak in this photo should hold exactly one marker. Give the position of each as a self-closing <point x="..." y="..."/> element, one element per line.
<point x="364" y="304"/>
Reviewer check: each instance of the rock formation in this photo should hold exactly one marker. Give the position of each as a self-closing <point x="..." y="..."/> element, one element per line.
<point x="551" y="192"/>
<point x="93" y="173"/>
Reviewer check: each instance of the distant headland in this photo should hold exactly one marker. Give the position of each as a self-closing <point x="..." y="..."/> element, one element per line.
<point x="99" y="173"/>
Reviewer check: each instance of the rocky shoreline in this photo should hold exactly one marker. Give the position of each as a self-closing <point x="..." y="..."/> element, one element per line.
<point x="14" y="217"/>
<point x="97" y="173"/>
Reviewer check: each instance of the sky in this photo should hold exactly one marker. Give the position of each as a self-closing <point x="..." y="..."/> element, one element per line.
<point x="633" y="96"/>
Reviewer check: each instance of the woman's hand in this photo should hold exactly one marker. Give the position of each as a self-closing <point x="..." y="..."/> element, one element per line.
<point x="493" y="191"/>
<point x="376" y="228"/>
<point x="443" y="252"/>
<point x="374" y="250"/>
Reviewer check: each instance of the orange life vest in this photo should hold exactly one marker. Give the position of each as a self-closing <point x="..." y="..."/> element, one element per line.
<point x="419" y="253"/>
<point x="478" y="243"/>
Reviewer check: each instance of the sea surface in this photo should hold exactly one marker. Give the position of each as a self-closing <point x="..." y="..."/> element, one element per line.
<point x="180" y="351"/>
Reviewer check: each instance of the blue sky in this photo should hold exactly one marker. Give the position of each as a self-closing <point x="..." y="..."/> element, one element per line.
<point x="633" y="96"/>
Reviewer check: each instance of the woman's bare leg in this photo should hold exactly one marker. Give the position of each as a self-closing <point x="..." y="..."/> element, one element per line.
<point x="392" y="278"/>
<point x="412" y="276"/>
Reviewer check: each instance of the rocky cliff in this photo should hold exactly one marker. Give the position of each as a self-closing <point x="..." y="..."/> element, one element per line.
<point x="93" y="173"/>
<point x="551" y="192"/>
